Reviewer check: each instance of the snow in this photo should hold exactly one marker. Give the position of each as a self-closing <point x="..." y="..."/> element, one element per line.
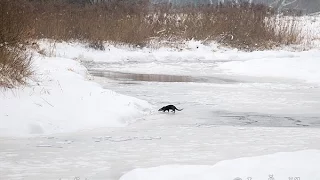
<point x="61" y="99"/>
<point x="296" y="62"/>
<point x="303" y="66"/>
<point x="298" y="65"/>
<point x="310" y="29"/>
<point x="108" y="153"/>
<point x="61" y="85"/>
<point x="284" y="165"/>
<point x="253" y="105"/>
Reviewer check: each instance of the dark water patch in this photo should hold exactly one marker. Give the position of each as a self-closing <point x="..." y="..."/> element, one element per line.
<point x="221" y="80"/>
<point x="123" y="76"/>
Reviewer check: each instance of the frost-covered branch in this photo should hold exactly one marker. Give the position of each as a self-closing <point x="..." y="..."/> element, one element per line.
<point x="288" y="3"/>
<point x="280" y="4"/>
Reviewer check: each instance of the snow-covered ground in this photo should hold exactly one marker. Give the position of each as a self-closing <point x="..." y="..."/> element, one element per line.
<point x="236" y="104"/>
<point x="272" y="63"/>
<point x="293" y="165"/>
<point x="62" y="99"/>
<point x="108" y="153"/>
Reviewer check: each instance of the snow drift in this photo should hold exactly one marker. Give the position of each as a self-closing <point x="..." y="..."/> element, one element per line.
<point x="61" y="99"/>
<point x="285" y="165"/>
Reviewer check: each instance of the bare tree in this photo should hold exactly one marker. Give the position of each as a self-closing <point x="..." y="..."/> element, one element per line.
<point x="280" y="4"/>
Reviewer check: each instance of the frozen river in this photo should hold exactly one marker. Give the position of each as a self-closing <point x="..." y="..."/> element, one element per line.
<point x="224" y="117"/>
<point x="209" y="96"/>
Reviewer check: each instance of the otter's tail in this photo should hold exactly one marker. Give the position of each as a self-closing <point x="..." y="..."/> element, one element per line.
<point x="179" y="109"/>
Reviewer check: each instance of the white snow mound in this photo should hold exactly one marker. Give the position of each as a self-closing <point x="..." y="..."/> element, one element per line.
<point x="60" y="99"/>
<point x="285" y="165"/>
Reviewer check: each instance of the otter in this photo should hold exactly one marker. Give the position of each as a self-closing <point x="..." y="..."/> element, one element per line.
<point x="168" y="107"/>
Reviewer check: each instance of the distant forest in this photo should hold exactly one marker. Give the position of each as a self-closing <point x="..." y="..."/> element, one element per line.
<point x="306" y="6"/>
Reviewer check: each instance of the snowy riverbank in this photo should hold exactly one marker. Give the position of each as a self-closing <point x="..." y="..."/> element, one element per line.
<point x="61" y="98"/>
<point x="282" y="63"/>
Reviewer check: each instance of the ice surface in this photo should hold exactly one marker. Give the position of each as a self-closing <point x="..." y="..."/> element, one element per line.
<point x="107" y="154"/>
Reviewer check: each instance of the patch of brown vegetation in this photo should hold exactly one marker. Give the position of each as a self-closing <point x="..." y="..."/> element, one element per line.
<point x="244" y="25"/>
<point x="15" y="65"/>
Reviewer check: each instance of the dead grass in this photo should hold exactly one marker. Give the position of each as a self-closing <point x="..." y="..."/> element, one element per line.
<point x="244" y="25"/>
<point x="118" y="21"/>
<point x="15" y="66"/>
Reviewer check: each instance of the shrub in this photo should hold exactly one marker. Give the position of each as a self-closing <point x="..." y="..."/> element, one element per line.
<point x="97" y="45"/>
<point x="15" y="66"/>
<point x="242" y="25"/>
